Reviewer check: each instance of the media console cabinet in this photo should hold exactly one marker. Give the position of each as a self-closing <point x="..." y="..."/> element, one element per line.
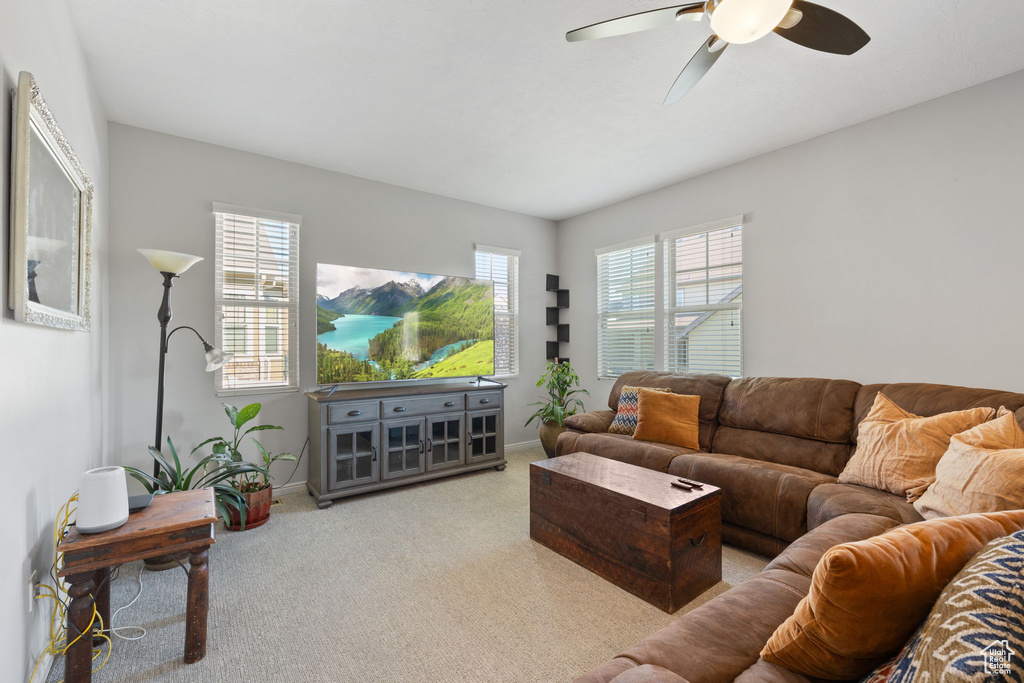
<point x="364" y="440"/>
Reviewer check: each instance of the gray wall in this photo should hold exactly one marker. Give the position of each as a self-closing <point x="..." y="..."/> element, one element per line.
<point x="161" y="189"/>
<point x="52" y="403"/>
<point x="888" y="251"/>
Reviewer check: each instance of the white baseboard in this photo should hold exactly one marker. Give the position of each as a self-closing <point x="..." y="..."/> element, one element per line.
<point x="522" y="445"/>
<point x="45" y="667"/>
<point x="294" y="487"/>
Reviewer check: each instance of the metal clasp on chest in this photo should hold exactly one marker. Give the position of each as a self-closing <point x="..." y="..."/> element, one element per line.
<point x="545" y="478"/>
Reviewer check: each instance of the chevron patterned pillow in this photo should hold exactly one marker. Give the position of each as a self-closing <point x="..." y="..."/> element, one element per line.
<point x="975" y="632"/>
<point x="629" y="410"/>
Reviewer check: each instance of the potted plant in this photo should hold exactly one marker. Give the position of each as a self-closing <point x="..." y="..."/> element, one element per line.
<point x="563" y="388"/>
<point x="253" y="483"/>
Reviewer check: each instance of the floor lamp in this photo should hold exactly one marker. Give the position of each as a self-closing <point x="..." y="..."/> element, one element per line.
<point x="171" y="264"/>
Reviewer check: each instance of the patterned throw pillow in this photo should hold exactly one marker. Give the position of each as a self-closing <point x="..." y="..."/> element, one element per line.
<point x="628" y="411"/>
<point x="975" y="632"/>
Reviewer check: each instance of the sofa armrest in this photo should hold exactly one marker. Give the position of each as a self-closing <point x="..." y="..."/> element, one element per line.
<point x="594" y="422"/>
<point x="648" y="673"/>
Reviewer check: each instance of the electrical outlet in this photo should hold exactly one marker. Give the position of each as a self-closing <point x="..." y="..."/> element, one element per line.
<point x="32" y="591"/>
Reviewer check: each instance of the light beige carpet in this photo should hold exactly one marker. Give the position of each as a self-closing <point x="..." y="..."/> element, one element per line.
<point x="431" y="582"/>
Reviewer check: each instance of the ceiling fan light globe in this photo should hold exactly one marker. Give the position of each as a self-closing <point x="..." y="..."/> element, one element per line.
<point x="744" y="21"/>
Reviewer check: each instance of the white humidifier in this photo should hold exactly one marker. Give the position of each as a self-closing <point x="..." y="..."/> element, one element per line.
<point x="102" y="500"/>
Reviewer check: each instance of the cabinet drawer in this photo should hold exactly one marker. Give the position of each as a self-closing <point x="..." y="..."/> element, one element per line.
<point x="422" y="405"/>
<point x="354" y="411"/>
<point x="483" y="400"/>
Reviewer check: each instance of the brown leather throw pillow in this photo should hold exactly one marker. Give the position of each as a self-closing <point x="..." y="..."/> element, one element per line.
<point x="668" y="418"/>
<point x="897" y="451"/>
<point x="868" y="597"/>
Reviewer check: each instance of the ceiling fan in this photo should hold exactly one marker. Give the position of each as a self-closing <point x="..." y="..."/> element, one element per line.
<point x="738" y="21"/>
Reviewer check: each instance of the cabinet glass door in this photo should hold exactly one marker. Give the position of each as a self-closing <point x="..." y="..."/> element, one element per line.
<point x="353" y="456"/>
<point x="403" y="447"/>
<point x="445" y="443"/>
<point x="483" y="436"/>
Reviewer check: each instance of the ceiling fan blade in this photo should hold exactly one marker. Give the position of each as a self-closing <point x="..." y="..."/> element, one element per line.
<point x="821" y="28"/>
<point x="695" y="69"/>
<point x="655" y="18"/>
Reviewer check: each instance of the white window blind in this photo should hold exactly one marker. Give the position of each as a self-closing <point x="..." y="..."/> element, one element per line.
<point x="257" y="300"/>
<point x="502" y="266"/>
<point x="626" y="315"/>
<point x="703" y="298"/>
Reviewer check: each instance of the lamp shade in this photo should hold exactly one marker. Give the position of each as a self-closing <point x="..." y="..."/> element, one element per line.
<point x="216" y="359"/>
<point x="102" y="500"/>
<point x="170" y="261"/>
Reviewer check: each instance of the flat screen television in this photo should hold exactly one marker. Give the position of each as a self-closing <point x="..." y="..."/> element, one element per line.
<point x="379" y="325"/>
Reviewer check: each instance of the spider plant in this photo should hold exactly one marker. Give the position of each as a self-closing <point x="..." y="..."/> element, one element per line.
<point x="215" y="471"/>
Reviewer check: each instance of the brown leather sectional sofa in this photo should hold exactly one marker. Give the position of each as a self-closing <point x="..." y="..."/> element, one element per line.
<point x="775" y="447"/>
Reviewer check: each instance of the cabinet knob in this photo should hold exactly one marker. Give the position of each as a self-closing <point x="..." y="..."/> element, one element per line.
<point x="449" y="404"/>
<point x="485" y="400"/>
<point x="354" y="413"/>
<point x="399" y="409"/>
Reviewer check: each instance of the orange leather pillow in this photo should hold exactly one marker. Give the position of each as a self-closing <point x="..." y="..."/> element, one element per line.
<point x="867" y="598"/>
<point x="897" y="451"/>
<point x="668" y="418"/>
<point x="982" y="471"/>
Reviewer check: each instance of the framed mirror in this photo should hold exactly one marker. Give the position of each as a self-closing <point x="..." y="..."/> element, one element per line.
<point x="51" y="219"/>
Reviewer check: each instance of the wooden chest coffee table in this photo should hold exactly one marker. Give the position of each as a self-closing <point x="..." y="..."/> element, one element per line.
<point x="629" y="525"/>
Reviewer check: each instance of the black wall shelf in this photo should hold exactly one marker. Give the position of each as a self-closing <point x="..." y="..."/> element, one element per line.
<point x="552" y="318"/>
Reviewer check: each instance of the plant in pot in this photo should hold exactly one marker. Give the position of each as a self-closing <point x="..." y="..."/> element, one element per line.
<point x="254" y="483"/>
<point x="216" y="471"/>
<point x="562" y="384"/>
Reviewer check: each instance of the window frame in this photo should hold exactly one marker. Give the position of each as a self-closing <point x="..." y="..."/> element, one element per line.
<point x="513" y="256"/>
<point x="663" y="309"/>
<point x="255" y="338"/>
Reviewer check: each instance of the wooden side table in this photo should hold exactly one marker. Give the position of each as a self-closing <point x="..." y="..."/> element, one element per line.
<point x="174" y="523"/>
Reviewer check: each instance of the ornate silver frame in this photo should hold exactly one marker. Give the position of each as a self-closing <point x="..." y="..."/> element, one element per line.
<point x="34" y="125"/>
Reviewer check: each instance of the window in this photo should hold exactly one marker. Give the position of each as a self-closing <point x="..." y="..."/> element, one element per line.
<point x="703" y="295"/>
<point x="257" y="299"/>
<point x="695" y="326"/>
<point x="625" y="310"/>
<point x="502" y="266"/>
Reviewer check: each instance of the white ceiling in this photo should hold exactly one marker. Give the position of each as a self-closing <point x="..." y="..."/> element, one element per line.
<point x="485" y="101"/>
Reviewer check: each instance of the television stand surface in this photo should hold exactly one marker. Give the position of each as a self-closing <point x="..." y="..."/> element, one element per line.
<point x="369" y="439"/>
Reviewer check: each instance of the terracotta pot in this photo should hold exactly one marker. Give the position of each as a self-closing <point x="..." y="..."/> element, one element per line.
<point x="257" y="510"/>
<point x="549" y="431"/>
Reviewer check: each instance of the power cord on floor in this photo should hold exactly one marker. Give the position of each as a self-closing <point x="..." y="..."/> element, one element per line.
<point x="116" y="630"/>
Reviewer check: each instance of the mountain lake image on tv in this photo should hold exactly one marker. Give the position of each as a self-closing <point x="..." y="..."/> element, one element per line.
<point x="377" y="325"/>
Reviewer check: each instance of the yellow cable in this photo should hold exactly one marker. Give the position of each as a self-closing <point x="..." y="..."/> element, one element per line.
<point x="58" y="645"/>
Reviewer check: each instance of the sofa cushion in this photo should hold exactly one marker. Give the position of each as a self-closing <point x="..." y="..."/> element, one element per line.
<point x="931" y="399"/>
<point x="620" y="447"/>
<point x="709" y="387"/>
<point x="982" y="471"/>
<point x="827" y="458"/>
<point x="761" y="496"/>
<point x="978" y="616"/>
<point x="810" y="408"/>
<point x="718" y="640"/>
<point x="897" y="451"/>
<point x="595" y="422"/>
<point x="867" y="597"/>
<point x="667" y="418"/>
<point x="766" y="672"/>
<point x="829" y="501"/>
